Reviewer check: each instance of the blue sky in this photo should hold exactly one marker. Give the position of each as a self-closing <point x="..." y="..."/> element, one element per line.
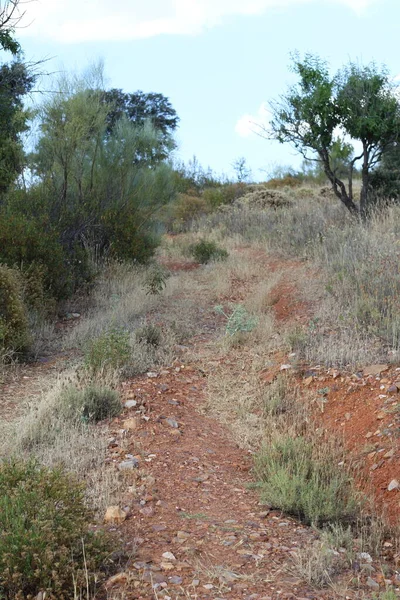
<point x="219" y="61"/>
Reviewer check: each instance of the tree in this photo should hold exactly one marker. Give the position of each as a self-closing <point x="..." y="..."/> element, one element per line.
<point x="359" y="103"/>
<point x="97" y="191"/>
<point x="141" y="108"/>
<point x="10" y="16"/>
<point x="16" y="80"/>
<point x="243" y="172"/>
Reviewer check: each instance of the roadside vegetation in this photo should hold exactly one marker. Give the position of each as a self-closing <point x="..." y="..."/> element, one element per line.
<point x="82" y="218"/>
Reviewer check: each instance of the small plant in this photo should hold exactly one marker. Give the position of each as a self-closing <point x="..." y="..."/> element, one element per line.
<point x="275" y="398"/>
<point x="239" y="321"/>
<point x="91" y="404"/>
<point x="45" y="543"/>
<point x="302" y="478"/>
<point x="203" y="252"/>
<point x="111" y="350"/>
<point x="149" y="334"/>
<point x="156" y="279"/>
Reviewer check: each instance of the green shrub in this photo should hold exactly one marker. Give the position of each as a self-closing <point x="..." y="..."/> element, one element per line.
<point x="45" y="541"/>
<point x="14" y="333"/>
<point x="26" y="241"/>
<point x="111" y="350"/>
<point x="303" y="479"/>
<point x="156" y="279"/>
<point x="91" y="404"/>
<point x="149" y="334"/>
<point x="204" y="251"/>
<point x="239" y="321"/>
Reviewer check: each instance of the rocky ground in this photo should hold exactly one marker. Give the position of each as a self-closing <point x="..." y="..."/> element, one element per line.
<point x="190" y="522"/>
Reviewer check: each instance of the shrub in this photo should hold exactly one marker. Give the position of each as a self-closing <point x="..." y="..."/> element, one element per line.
<point x="91" y="404"/>
<point x="204" y="251"/>
<point x="26" y="241"/>
<point x="45" y="541"/>
<point x="110" y="350"/>
<point x="303" y="479"/>
<point x="156" y="279"/>
<point x="149" y="334"/>
<point x="239" y="321"/>
<point x="14" y="334"/>
<point x="287" y="181"/>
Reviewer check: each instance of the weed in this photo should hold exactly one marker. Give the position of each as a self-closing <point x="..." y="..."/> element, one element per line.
<point x="109" y="351"/>
<point x="45" y="542"/>
<point x="156" y="279"/>
<point x="239" y="320"/>
<point x="205" y="251"/>
<point x="149" y="334"/>
<point x="92" y="404"/>
<point x="302" y="478"/>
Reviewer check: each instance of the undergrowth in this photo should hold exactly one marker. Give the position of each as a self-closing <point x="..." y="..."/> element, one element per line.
<point x="46" y="544"/>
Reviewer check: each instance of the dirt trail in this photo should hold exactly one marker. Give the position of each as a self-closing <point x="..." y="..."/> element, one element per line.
<point x="194" y="503"/>
<point x="195" y="528"/>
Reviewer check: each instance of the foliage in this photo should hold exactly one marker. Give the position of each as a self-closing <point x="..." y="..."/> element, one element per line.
<point x="359" y="101"/>
<point x="87" y="189"/>
<point x="205" y="251"/>
<point x="156" y="279"/>
<point x="239" y="320"/>
<point x="14" y="331"/>
<point x="111" y="350"/>
<point x="141" y="108"/>
<point x="301" y="478"/>
<point x="91" y="404"/>
<point x="242" y="171"/>
<point x="15" y="82"/>
<point x="45" y="542"/>
<point x="149" y="334"/>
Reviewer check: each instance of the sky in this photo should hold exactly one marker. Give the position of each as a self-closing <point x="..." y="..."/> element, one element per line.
<point x="218" y="61"/>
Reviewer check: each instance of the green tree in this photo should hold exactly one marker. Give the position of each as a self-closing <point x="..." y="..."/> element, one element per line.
<point x="141" y="109"/>
<point x="359" y="103"/>
<point x="97" y="193"/>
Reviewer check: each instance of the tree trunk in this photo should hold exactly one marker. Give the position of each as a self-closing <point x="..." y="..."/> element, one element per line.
<point x="364" y="208"/>
<point x="338" y="186"/>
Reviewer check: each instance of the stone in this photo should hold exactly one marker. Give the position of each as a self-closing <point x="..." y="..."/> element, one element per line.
<point x="130" y="404"/>
<point x="365" y="557"/>
<point x="167" y="566"/>
<point x="152" y="375"/>
<point x="172" y="423"/>
<point x="393" y="485"/>
<point x="371" y="583"/>
<point x="393" y="389"/>
<point x="175" y="580"/>
<point x="115" y="515"/>
<point x="168" y="556"/>
<point x="375" y="369"/>
<point x="285" y="367"/>
<point x="128" y="465"/>
<point x="389" y="454"/>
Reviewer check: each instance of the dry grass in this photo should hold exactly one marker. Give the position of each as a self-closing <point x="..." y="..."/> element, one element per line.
<point x="44" y="434"/>
<point x="357" y="281"/>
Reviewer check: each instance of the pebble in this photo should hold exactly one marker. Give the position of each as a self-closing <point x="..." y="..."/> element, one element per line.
<point x="172" y="423"/>
<point x="372" y="583"/>
<point x="128" y="465"/>
<point x="130" y="403"/>
<point x="169" y="556"/>
<point x="393" y="485"/>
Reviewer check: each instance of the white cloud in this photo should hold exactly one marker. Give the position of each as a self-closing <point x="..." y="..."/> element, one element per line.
<point x="99" y="20"/>
<point x="248" y="124"/>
